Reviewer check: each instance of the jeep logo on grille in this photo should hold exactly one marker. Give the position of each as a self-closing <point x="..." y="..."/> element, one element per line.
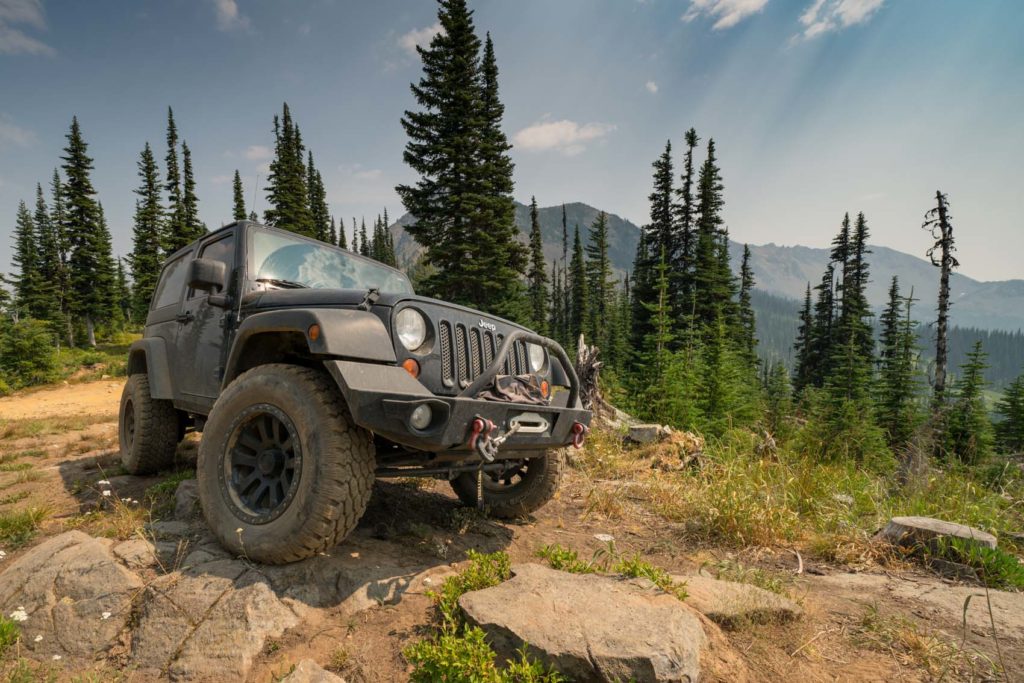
<point x="488" y="326"/>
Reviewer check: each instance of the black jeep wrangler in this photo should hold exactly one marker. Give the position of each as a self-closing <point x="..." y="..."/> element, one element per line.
<point x="310" y="370"/>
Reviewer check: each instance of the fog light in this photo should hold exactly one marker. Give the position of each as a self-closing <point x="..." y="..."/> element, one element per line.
<point x="420" y="418"/>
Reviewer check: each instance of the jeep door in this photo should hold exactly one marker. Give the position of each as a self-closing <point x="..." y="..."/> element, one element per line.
<point x="203" y="329"/>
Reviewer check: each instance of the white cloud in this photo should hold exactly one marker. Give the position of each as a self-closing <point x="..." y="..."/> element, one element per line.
<point x="567" y="137"/>
<point x="825" y="16"/>
<point x="229" y="17"/>
<point x="418" y="36"/>
<point x="258" y="153"/>
<point x="14" y="41"/>
<point x="11" y="133"/>
<point x="652" y="87"/>
<point x="727" y="13"/>
<point x="222" y="179"/>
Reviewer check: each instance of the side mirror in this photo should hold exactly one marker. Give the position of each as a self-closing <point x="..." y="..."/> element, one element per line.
<point x="207" y="275"/>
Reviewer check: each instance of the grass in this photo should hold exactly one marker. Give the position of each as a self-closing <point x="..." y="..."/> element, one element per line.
<point x="18" y="527"/>
<point x="995" y="567"/>
<point x="15" y="466"/>
<point x="14" y="497"/>
<point x="9" y="634"/>
<point x="458" y="653"/>
<point x="911" y="645"/>
<point x="731" y="570"/>
<point x="161" y="496"/>
<point x="607" y="560"/>
<point x="20" y="429"/>
<point x="737" y="499"/>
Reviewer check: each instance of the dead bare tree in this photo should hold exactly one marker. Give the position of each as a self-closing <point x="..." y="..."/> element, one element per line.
<point x="937" y="222"/>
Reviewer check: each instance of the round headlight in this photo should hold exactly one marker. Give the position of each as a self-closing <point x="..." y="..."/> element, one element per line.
<point x="537" y="357"/>
<point x="411" y="328"/>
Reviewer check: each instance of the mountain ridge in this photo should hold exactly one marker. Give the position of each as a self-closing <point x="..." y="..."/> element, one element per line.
<point x="782" y="270"/>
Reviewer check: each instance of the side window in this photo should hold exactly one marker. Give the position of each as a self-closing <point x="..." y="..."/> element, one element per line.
<point x="172" y="282"/>
<point x="222" y="250"/>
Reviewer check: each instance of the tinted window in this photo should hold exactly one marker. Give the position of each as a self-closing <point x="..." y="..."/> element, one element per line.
<point x="222" y="250"/>
<point x="277" y="256"/>
<point x="172" y="282"/>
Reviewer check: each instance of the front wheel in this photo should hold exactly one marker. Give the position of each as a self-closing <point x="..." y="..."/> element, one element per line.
<point x="524" y="486"/>
<point x="283" y="474"/>
<point x="147" y="428"/>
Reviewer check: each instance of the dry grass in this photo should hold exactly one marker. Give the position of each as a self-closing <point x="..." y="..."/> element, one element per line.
<point x="20" y="429"/>
<point x="18" y="527"/>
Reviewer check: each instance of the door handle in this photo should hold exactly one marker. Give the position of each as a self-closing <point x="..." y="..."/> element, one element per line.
<point x="185" y="318"/>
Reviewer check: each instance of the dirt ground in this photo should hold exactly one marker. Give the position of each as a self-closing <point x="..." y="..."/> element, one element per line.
<point x="872" y="625"/>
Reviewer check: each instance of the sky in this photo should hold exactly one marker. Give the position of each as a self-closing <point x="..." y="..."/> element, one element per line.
<point x="817" y="107"/>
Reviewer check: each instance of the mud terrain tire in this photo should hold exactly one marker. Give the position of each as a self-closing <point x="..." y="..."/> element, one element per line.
<point x="283" y="474"/>
<point x="527" y="493"/>
<point x="147" y="428"/>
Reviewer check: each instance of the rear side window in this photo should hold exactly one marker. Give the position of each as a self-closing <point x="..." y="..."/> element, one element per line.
<point x="172" y="282"/>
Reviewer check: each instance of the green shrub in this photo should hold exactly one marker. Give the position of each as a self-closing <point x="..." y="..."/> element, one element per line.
<point x="19" y="526"/>
<point x="467" y="658"/>
<point x="609" y="560"/>
<point x="484" y="570"/>
<point x="27" y="354"/>
<point x="996" y="568"/>
<point x="566" y="560"/>
<point x="9" y="634"/>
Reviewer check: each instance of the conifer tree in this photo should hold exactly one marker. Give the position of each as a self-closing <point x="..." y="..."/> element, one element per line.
<point x="803" y="349"/>
<point x="967" y="430"/>
<point x="287" y="183"/>
<point x="145" y="258"/>
<point x="579" y="296"/>
<point x="174" y="223"/>
<point x="659" y="236"/>
<point x="89" y="255"/>
<point x="683" y="258"/>
<point x="565" y="239"/>
<point x="193" y="227"/>
<point x="711" y="284"/>
<point x="823" y="328"/>
<point x="105" y="276"/>
<point x="778" y="394"/>
<point x="897" y="413"/>
<point x="58" y="220"/>
<point x="536" y="276"/>
<point x="364" y="241"/>
<point x="462" y="200"/>
<point x="746" y="327"/>
<point x="600" y="281"/>
<point x="856" y="309"/>
<point x="342" y="238"/>
<point x="655" y="352"/>
<point x="1010" y="408"/>
<point x="124" y="294"/>
<point x="319" y="212"/>
<point x="50" y="266"/>
<point x="938" y="222"/>
<point x="556" y="309"/>
<point x="238" y="211"/>
<point x="26" y="261"/>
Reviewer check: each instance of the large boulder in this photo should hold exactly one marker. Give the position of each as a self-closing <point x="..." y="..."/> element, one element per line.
<point x="915" y="532"/>
<point x="730" y="604"/>
<point x="72" y="591"/>
<point x="591" y="627"/>
<point x="308" y="671"/>
<point x="207" y="623"/>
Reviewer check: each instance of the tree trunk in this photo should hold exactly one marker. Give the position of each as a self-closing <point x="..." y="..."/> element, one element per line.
<point x="941" y="352"/>
<point x="90" y="330"/>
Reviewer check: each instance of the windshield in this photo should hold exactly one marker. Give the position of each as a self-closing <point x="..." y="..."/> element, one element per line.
<point x="286" y="260"/>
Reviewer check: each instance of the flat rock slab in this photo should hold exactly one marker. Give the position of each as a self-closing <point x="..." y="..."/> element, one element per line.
<point x="308" y="671"/>
<point x="72" y="591"/>
<point x="730" y="604"/>
<point x="591" y="627"/>
<point x="909" y="532"/>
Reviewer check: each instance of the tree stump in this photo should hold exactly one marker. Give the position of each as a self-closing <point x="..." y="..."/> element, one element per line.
<point x="917" y="532"/>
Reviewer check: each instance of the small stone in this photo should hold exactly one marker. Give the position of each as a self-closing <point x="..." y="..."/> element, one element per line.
<point x="604" y="538"/>
<point x="38" y="639"/>
<point x="169" y="528"/>
<point x="308" y="671"/>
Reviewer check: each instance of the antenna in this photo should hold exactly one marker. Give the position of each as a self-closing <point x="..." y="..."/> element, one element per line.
<point x="255" y="189"/>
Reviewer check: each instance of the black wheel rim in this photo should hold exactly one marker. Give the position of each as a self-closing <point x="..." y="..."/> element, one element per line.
<point x="128" y="424"/>
<point x="510" y="476"/>
<point x="262" y="464"/>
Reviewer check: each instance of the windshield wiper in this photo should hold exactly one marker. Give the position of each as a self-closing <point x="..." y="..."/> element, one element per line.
<point x="282" y="283"/>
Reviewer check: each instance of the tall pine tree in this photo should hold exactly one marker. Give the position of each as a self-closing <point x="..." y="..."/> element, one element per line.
<point x="238" y="211"/>
<point x="145" y="258"/>
<point x="287" y="183"/>
<point x="174" y="230"/>
<point x="193" y="227"/>
<point x="536" y="276"/>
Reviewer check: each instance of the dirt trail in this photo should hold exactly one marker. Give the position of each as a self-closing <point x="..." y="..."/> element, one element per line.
<point x="424" y="522"/>
<point x="66" y="400"/>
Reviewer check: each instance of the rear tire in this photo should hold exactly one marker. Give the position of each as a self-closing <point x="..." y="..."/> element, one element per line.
<point x="283" y="474"/>
<point x="147" y="428"/>
<point x="519" y="493"/>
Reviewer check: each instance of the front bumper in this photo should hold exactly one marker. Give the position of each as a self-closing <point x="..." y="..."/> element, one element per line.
<point x="381" y="398"/>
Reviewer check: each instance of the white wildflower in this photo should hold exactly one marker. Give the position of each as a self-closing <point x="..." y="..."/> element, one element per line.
<point x="103" y="482"/>
<point x="19" y="614"/>
<point x="105" y="615"/>
<point x="106" y="494"/>
<point x="56" y="658"/>
<point x="238" y="530"/>
<point x="3" y="554"/>
<point x="39" y="638"/>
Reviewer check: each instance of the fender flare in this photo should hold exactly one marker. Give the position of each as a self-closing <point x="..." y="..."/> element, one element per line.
<point x="149" y="355"/>
<point x="344" y="333"/>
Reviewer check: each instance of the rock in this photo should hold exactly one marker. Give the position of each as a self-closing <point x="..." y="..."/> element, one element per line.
<point x="139" y="553"/>
<point x="644" y="433"/>
<point x="74" y="592"/>
<point x="730" y="604"/>
<point x="605" y="538"/>
<point x="169" y="529"/>
<point x="913" y="532"/>
<point x="591" y="627"/>
<point x="208" y="623"/>
<point x="308" y="671"/>
<point x="186" y="500"/>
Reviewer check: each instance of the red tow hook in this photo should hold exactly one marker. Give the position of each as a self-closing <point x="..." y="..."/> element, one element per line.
<point x="480" y="426"/>
<point x="579" y="433"/>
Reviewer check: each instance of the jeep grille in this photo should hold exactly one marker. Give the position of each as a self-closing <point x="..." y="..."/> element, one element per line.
<point x="467" y="352"/>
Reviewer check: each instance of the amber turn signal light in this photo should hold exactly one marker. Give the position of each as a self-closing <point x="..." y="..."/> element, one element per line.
<point x="411" y="366"/>
<point x="545" y="388"/>
<point x="313" y="332"/>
